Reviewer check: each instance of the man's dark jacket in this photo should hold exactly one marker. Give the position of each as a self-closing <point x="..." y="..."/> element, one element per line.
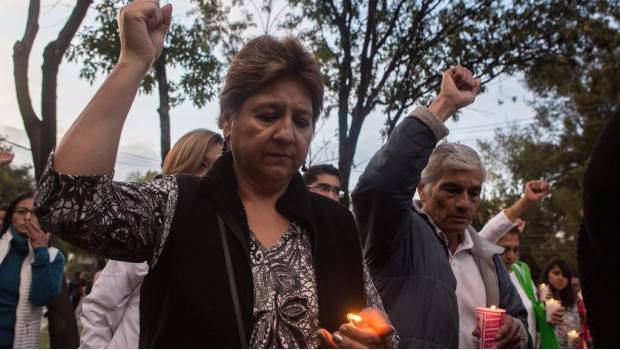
<point x="407" y="260"/>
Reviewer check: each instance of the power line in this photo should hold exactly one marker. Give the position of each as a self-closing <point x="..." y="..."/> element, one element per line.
<point x="145" y="161"/>
<point x="14" y="144"/>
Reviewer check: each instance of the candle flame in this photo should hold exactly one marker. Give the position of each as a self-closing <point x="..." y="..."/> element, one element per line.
<point x="353" y="318"/>
<point x="573" y="333"/>
<point x="493" y="307"/>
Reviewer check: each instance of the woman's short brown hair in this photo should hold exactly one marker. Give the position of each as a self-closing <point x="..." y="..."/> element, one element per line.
<point x="263" y="60"/>
<point x="187" y="154"/>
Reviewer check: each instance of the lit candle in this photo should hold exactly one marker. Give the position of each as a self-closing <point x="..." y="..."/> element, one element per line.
<point x="543" y="291"/>
<point x="572" y="336"/>
<point x="353" y="318"/>
<point x="552" y="306"/>
<point x="489" y="322"/>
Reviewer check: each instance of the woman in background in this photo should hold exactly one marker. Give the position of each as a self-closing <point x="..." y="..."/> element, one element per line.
<point x="31" y="274"/>
<point x="558" y="276"/>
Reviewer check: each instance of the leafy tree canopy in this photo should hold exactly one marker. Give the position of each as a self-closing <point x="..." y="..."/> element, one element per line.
<point x="577" y="91"/>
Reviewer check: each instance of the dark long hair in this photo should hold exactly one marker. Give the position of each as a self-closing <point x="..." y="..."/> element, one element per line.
<point x="8" y="216"/>
<point x="567" y="297"/>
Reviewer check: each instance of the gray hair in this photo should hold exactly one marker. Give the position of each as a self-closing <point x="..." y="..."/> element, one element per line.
<point x="451" y="156"/>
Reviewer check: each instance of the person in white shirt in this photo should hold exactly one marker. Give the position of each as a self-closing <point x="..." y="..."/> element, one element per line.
<point x="449" y="191"/>
<point x="505" y="229"/>
<point x="110" y="313"/>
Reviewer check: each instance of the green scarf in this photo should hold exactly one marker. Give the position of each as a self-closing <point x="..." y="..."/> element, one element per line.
<point x="547" y="336"/>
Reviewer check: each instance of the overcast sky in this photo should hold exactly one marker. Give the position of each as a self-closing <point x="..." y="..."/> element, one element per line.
<point x="140" y="139"/>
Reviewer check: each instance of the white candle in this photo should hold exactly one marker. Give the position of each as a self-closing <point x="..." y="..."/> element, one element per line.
<point x="552" y="306"/>
<point x="572" y="335"/>
<point x="543" y="291"/>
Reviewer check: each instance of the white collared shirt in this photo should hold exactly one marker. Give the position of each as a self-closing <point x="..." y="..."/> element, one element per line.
<point x="470" y="291"/>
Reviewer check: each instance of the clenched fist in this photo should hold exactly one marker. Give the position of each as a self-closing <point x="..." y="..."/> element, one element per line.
<point x="458" y="89"/>
<point x="143" y="26"/>
<point x="536" y="190"/>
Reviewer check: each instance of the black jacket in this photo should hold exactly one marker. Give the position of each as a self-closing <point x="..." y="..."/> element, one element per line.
<point x="599" y="240"/>
<point x="186" y="300"/>
<point x="407" y="260"/>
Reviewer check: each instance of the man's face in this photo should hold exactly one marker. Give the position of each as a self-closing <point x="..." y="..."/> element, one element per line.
<point x="326" y="185"/>
<point x="453" y="199"/>
<point x="510" y="242"/>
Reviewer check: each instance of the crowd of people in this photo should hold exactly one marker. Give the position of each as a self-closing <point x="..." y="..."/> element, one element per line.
<point x="232" y="247"/>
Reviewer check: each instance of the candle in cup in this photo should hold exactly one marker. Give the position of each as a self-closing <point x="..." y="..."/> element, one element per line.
<point x="489" y="321"/>
<point x="572" y="335"/>
<point x="544" y="291"/>
<point x="353" y="318"/>
<point x="552" y="306"/>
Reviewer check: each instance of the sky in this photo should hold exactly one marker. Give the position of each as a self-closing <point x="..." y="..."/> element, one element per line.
<point x="139" y="145"/>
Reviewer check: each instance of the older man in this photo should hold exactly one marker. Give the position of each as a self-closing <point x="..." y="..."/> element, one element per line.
<point x="430" y="267"/>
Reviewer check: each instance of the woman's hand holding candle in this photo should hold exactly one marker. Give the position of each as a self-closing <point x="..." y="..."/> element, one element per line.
<point x="371" y="330"/>
<point x="557" y="317"/>
<point x="554" y="311"/>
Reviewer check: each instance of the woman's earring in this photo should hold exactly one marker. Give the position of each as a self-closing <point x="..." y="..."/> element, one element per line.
<point x="224" y="147"/>
<point x="303" y="168"/>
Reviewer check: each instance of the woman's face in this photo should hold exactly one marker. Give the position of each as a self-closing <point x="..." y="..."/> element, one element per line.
<point x="271" y="134"/>
<point x="210" y="157"/>
<point x="557" y="280"/>
<point x="22" y="215"/>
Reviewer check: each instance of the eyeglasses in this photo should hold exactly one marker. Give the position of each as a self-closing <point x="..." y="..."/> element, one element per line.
<point x="23" y="211"/>
<point x="323" y="187"/>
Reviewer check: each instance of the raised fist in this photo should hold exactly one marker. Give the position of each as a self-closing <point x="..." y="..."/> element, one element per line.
<point x="459" y="87"/>
<point x="536" y="190"/>
<point x="143" y="26"/>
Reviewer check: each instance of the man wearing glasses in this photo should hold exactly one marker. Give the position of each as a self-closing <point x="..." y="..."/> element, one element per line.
<point x="324" y="179"/>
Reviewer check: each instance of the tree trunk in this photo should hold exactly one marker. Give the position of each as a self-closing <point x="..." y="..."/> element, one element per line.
<point x="21" y="54"/>
<point x="42" y="132"/>
<point x="164" y="103"/>
<point x="347" y="149"/>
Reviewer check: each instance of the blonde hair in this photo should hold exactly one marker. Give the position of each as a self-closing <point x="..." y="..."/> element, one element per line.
<point x="187" y="154"/>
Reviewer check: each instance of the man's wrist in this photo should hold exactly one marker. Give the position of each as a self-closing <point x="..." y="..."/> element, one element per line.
<point x="442" y="107"/>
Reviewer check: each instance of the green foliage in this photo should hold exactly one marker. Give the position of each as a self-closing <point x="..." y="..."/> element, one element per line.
<point x="191" y="46"/>
<point x="14" y="181"/>
<point x="577" y="91"/>
<point x="389" y="55"/>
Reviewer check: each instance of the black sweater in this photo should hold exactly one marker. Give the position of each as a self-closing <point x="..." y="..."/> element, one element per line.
<point x="186" y="300"/>
<point x="600" y="239"/>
